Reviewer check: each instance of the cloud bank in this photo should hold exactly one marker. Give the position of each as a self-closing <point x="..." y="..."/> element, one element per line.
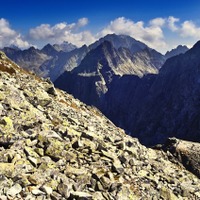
<point x="62" y="32"/>
<point x="154" y="33"/>
<point x="9" y="37"/>
<point x="151" y="34"/>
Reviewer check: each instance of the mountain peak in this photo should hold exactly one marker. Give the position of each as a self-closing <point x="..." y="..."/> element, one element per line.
<point x="119" y="41"/>
<point x="49" y="50"/>
<point x="65" y="46"/>
<point x="12" y="46"/>
<point x="31" y="49"/>
<point x="180" y="49"/>
<point x="95" y="57"/>
<point x="47" y="46"/>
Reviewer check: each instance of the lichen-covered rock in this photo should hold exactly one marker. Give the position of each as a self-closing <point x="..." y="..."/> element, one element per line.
<point x="7" y="169"/>
<point x="14" y="190"/>
<point x="52" y="146"/>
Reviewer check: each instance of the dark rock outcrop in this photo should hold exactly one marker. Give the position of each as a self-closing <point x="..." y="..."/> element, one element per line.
<point x="171" y="108"/>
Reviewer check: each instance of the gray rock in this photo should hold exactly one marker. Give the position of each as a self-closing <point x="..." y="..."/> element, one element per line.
<point x="80" y="196"/>
<point x="63" y="190"/>
<point x="37" y="192"/>
<point x="47" y="190"/>
<point x="14" y="190"/>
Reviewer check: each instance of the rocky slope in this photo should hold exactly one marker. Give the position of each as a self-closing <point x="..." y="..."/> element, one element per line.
<point x="52" y="146"/>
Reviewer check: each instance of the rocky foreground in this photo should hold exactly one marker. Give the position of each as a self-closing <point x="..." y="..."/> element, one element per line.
<point x="52" y="146"/>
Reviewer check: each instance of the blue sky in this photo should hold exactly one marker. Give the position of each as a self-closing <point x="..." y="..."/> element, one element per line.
<point x="160" y="24"/>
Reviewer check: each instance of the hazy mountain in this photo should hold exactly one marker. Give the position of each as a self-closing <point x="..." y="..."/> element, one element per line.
<point x="14" y="47"/>
<point x="51" y="61"/>
<point x="178" y="50"/>
<point x="30" y="59"/>
<point x="47" y="62"/>
<point x="65" y="46"/>
<point x="65" y="61"/>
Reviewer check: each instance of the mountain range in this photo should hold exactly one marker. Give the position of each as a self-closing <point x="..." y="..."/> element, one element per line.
<point x="124" y="78"/>
<point x="53" y="60"/>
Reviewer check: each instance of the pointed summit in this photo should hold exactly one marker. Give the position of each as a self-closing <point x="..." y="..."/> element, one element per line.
<point x="49" y="50"/>
<point x="65" y="46"/>
<point x="178" y="50"/>
<point x="119" y="41"/>
<point x="103" y="56"/>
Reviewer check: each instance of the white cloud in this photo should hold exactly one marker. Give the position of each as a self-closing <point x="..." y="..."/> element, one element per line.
<point x="82" y="22"/>
<point x="42" y="32"/>
<point x="62" y="32"/>
<point x="186" y="29"/>
<point x="151" y="34"/>
<point x="9" y="36"/>
<point x="171" y="23"/>
<point x="158" y="22"/>
<point x="189" y="29"/>
<point x="159" y="33"/>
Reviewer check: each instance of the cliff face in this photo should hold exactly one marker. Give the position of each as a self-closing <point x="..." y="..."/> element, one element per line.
<point x="171" y="107"/>
<point x="54" y="146"/>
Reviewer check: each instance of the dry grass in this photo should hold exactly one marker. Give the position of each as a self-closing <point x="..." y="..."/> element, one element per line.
<point x="69" y="104"/>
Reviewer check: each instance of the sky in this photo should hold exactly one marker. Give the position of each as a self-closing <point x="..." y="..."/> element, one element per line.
<point x="161" y="24"/>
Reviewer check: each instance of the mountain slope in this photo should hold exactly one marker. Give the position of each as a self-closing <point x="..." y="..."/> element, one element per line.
<point x="49" y="61"/>
<point x="55" y="147"/>
<point x="172" y="105"/>
<point x="53" y="60"/>
<point x="30" y="59"/>
<point x="66" y="61"/>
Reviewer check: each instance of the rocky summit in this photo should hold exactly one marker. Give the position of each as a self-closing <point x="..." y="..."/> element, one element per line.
<point x="52" y="146"/>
